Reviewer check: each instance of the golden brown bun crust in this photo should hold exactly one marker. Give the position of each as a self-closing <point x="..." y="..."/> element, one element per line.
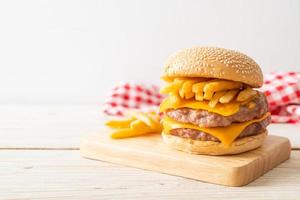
<point x="213" y="62"/>
<point x="214" y="148"/>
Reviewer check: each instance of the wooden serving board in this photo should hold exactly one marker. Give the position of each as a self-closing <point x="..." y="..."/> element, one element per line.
<point x="149" y="152"/>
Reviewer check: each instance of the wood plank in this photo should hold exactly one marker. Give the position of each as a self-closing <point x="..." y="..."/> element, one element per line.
<point x="53" y="126"/>
<point x="291" y="131"/>
<point x="65" y="175"/>
<point x="149" y="152"/>
<point x="47" y="126"/>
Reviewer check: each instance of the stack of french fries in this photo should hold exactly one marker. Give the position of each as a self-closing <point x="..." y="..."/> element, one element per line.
<point x="215" y="90"/>
<point x="135" y="124"/>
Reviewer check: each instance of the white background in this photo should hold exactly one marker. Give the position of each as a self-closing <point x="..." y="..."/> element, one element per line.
<point x="74" y="51"/>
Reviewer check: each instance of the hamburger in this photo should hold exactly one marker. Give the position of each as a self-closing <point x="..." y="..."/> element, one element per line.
<point x="212" y="105"/>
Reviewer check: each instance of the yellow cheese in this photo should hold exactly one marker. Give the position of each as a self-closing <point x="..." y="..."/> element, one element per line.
<point x="222" y="109"/>
<point x="225" y="134"/>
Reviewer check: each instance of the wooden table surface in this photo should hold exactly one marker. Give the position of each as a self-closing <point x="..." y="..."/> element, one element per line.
<point x="39" y="159"/>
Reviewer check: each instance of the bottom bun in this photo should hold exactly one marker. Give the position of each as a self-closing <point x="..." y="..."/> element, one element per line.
<point x="214" y="148"/>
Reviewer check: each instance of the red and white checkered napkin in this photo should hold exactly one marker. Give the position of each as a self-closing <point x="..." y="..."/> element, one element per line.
<point x="132" y="96"/>
<point x="282" y="90"/>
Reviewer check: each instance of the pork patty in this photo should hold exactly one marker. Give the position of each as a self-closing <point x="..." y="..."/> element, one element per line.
<point x="252" y="129"/>
<point x="203" y="118"/>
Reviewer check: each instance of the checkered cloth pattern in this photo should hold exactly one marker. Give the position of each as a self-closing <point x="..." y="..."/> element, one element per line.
<point x="138" y="97"/>
<point x="282" y="90"/>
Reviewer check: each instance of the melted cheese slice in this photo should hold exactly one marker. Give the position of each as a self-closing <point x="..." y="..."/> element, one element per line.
<point x="225" y="134"/>
<point x="222" y="109"/>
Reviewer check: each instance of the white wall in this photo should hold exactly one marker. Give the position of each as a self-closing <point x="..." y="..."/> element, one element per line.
<point x="72" y="51"/>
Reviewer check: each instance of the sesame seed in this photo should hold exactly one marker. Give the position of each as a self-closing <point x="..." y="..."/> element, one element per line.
<point x="208" y="60"/>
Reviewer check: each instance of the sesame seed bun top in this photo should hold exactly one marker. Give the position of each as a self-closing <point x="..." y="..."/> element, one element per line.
<point x="213" y="62"/>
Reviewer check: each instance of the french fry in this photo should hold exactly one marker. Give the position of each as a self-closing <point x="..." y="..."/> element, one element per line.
<point x="199" y="96"/>
<point x="181" y="93"/>
<point x="171" y="87"/>
<point x="174" y="99"/>
<point x="189" y="95"/>
<point x="186" y="89"/>
<point x="156" y="119"/>
<point x="228" y="96"/>
<point x="215" y="99"/>
<point x="124" y="123"/>
<point x="167" y="79"/>
<point x="139" y="125"/>
<point x="154" y="116"/>
<point x="126" y="132"/>
<point x="208" y="94"/>
<point x="246" y="94"/>
<point x="198" y="87"/>
<point x="144" y="118"/>
<point x="216" y="86"/>
<point x="181" y="90"/>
